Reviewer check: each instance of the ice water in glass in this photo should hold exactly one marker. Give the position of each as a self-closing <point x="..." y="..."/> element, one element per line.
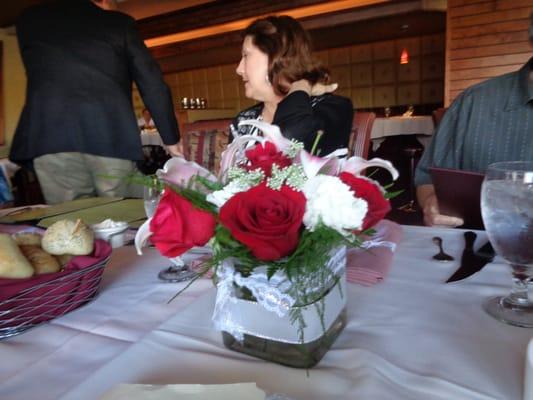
<point x="507" y="210"/>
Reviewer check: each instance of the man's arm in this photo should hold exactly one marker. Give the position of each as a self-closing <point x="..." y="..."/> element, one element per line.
<point x="430" y="206"/>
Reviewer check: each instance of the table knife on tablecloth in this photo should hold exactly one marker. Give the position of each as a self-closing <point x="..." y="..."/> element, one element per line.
<point x="471" y="261"/>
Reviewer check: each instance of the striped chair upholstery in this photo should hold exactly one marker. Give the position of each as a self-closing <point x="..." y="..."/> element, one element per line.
<point x="204" y="142"/>
<point x="360" y="136"/>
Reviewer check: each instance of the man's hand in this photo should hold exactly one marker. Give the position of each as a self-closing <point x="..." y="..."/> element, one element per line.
<point x="175" y="150"/>
<point x="430" y="206"/>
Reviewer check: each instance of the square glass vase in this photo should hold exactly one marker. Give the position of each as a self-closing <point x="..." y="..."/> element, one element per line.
<point x="276" y="339"/>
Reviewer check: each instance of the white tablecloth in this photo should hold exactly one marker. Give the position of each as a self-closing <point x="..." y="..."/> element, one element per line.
<point x="151" y="138"/>
<point x="421" y="126"/>
<point x="418" y="125"/>
<point x="410" y="337"/>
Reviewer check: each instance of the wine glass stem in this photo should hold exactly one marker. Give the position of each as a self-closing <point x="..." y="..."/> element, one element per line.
<point x="519" y="294"/>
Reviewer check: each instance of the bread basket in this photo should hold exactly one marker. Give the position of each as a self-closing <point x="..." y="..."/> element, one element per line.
<point x="26" y="303"/>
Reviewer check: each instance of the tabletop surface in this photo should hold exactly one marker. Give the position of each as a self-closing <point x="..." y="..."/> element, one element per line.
<point x="409" y="337"/>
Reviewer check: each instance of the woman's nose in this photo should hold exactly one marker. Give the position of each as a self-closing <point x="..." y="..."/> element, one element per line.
<point x="240" y="68"/>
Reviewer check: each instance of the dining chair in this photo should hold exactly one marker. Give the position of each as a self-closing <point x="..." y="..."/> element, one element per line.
<point x="437" y="115"/>
<point x="359" y="144"/>
<point x="204" y="142"/>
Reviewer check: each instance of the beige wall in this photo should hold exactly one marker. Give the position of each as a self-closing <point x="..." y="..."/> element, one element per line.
<point x="484" y="39"/>
<point x="14" y="87"/>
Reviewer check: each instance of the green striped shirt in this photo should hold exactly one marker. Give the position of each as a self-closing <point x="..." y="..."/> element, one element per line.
<point x="489" y="122"/>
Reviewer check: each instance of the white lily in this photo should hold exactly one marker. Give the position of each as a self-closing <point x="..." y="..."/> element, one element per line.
<point x="178" y="171"/>
<point x="229" y="156"/>
<point x="142" y="236"/>
<point x="355" y="165"/>
<point x="271" y="133"/>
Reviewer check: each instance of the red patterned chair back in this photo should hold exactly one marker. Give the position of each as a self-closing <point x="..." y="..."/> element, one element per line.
<point x="437" y="115"/>
<point x="204" y="142"/>
<point x="360" y="137"/>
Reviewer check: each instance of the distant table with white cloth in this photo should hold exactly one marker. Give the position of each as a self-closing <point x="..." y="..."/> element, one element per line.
<point x="410" y="337"/>
<point x="421" y="126"/>
<point x="151" y="137"/>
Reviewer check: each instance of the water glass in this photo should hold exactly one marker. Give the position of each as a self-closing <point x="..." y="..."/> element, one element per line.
<point x="507" y="211"/>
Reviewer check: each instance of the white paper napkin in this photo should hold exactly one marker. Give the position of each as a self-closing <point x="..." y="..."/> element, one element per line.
<point x="237" y="391"/>
<point x="528" y="375"/>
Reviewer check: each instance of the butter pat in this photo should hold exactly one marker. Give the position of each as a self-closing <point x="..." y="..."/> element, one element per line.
<point x="111" y="231"/>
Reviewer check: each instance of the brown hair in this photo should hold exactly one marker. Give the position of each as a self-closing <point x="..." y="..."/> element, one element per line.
<point x="288" y="48"/>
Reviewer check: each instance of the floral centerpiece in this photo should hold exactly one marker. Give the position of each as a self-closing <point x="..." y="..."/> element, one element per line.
<point x="278" y="220"/>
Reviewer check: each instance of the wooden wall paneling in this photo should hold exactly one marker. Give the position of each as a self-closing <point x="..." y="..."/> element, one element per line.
<point x="432" y="92"/>
<point x="409" y="93"/>
<point x="383" y="96"/>
<point x="339" y="56"/>
<point x="490" y="61"/>
<point x="432" y="44"/>
<point x="409" y="72"/>
<point x="384" y="72"/>
<point x="361" y="74"/>
<point x="485" y="38"/>
<point x="483" y="18"/>
<point x="383" y="50"/>
<point x="484" y="51"/>
<point x="433" y="67"/>
<point x="362" y="97"/>
<point x="361" y="53"/>
<point x="370" y="82"/>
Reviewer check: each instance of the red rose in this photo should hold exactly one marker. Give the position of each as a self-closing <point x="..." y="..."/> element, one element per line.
<point x="177" y="226"/>
<point x="264" y="155"/>
<point x="378" y="205"/>
<point x="266" y="221"/>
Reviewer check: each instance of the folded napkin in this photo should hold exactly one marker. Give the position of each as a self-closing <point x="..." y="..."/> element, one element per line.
<point x="370" y="264"/>
<point x="528" y="374"/>
<point x="233" y="391"/>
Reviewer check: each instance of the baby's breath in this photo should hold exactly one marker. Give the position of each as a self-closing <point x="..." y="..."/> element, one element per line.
<point x="246" y="178"/>
<point x="294" y="148"/>
<point x="293" y="176"/>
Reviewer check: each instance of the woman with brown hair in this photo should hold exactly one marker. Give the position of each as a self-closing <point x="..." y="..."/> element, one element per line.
<point x="293" y="90"/>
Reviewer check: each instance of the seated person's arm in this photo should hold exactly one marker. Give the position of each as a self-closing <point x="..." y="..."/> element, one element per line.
<point x="428" y="202"/>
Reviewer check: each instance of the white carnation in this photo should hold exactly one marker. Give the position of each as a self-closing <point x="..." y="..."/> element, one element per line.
<point x="219" y="197"/>
<point x="333" y="203"/>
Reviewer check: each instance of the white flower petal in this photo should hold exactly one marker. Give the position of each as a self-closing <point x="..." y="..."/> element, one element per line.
<point x="355" y="165"/>
<point x="331" y="202"/>
<point x="142" y="235"/>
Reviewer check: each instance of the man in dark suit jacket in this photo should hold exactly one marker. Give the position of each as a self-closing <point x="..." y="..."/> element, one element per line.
<point x="78" y="123"/>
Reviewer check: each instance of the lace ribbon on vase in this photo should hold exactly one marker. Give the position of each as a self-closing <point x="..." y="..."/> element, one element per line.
<point x="271" y="294"/>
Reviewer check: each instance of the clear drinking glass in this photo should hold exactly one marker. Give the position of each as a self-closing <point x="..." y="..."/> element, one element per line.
<point x="507" y="210"/>
<point x="179" y="271"/>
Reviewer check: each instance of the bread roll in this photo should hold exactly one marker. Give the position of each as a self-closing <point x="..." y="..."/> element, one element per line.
<point x="13" y="264"/>
<point x="27" y="239"/>
<point x="63" y="259"/>
<point x="41" y="261"/>
<point x="68" y="237"/>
